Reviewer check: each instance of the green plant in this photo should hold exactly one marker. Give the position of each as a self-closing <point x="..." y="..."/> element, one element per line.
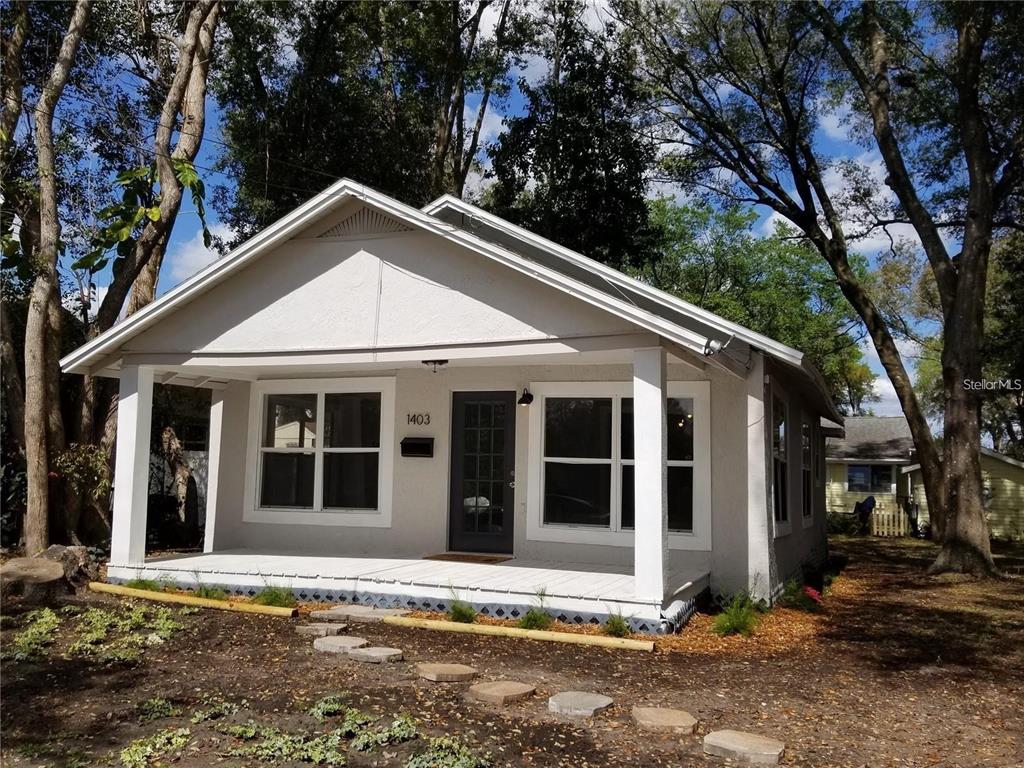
<point x="842" y="523"/>
<point x="86" y="468"/>
<point x="163" y="624"/>
<point x="328" y="706"/>
<point x="190" y="610"/>
<point x="402" y="729"/>
<point x="214" y="710"/>
<point x="535" y="618"/>
<point x="616" y="625"/>
<point x="247" y="731"/>
<point x="739" y="615"/>
<point x="278" y="596"/>
<point x="207" y="592"/>
<point x="140" y="752"/>
<point x="447" y="752"/>
<point x="154" y="709"/>
<point x="801" y="597"/>
<point x="30" y="644"/>
<point x="150" y="585"/>
<point x="274" y="746"/>
<point x="461" y="612"/>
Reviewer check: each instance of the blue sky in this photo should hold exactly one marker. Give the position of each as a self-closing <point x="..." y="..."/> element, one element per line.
<point x="186" y="254"/>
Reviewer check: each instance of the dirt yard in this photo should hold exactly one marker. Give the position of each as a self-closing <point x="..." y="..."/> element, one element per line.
<point x="898" y="670"/>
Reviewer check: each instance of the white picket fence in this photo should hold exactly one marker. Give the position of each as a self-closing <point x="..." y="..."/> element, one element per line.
<point x="886" y="522"/>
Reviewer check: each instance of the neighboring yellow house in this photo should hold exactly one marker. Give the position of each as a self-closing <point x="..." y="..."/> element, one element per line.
<point x="868" y="461"/>
<point x="1004" y="493"/>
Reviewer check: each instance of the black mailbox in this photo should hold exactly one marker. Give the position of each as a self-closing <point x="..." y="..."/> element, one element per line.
<point x="418" y="446"/>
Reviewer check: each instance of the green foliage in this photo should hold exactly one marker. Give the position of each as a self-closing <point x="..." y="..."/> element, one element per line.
<point x="574" y="167"/>
<point x="740" y="616"/>
<point x="214" y="709"/>
<point x="842" y="524"/>
<point x="31" y="643"/>
<point x="461" y="612"/>
<point x="535" y="618"/>
<point x="247" y="731"/>
<point x="190" y="610"/>
<point x="274" y="747"/>
<point x="278" y="596"/>
<point x="402" y="729"/>
<point x="796" y="595"/>
<point x="86" y="468"/>
<point x="157" y="708"/>
<point x="208" y="592"/>
<point x="142" y="751"/>
<point x="448" y="752"/>
<point x="328" y="706"/>
<point x="119" y="635"/>
<point x="150" y="585"/>
<point x="616" y="625"/>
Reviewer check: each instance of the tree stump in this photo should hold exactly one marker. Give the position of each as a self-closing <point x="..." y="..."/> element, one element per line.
<point x="33" y="579"/>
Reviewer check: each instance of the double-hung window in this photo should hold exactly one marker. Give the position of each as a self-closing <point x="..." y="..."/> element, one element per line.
<point x="323" y="452"/>
<point x="869" y="478"/>
<point x="582" y="451"/>
<point x="780" y="464"/>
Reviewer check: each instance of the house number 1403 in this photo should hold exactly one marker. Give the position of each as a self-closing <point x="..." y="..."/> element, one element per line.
<point x="418" y="418"/>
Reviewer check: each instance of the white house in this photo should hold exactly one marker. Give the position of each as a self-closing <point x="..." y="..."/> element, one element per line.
<point x="465" y="386"/>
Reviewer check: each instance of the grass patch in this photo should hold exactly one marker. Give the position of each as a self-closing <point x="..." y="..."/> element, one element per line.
<point x="207" y="592"/>
<point x="447" y="752"/>
<point x="402" y="729"/>
<point x="32" y="642"/>
<point x="277" y="596"/>
<point x="461" y="612"/>
<point x="156" y="709"/>
<point x="140" y="752"/>
<point x="616" y="625"/>
<point x="150" y="585"/>
<point x="739" y="616"/>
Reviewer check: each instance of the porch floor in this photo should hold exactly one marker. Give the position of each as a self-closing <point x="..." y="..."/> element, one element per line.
<point x="580" y="591"/>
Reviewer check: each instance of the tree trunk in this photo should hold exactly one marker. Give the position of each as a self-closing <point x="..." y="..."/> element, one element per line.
<point x="37" y="401"/>
<point x="14" y="394"/>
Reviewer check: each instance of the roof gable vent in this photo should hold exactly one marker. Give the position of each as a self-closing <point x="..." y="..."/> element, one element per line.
<point x="366" y="221"/>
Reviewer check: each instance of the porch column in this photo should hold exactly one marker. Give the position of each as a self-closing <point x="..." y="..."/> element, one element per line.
<point x="759" y="507"/>
<point x="213" y="461"/>
<point x="131" y="468"/>
<point x="650" y="449"/>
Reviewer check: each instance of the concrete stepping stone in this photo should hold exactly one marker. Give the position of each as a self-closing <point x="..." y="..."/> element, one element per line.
<point x="375" y="655"/>
<point x="501" y="692"/>
<point x="321" y="629"/>
<point x="446" y="673"/>
<point x="744" y="747"/>
<point x="338" y="643"/>
<point x="664" y="719"/>
<point x="368" y="613"/>
<point x="578" y="703"/>
<point x="332" y="614"/>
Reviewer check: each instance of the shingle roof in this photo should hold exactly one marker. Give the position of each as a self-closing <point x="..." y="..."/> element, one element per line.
<point x="872" y="438"/>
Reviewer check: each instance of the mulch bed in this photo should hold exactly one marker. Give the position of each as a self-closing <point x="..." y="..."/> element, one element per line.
<point x="899" y="669"/>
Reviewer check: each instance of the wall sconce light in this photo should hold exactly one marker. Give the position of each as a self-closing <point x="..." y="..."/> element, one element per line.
<point x="435" y="364"/>
<point x="526" y="399"/>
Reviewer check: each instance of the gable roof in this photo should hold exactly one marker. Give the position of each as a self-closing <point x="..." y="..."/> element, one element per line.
<point x="674" y="320"/>
<point x="872" y="438"/>
<point x="984" y="452"/>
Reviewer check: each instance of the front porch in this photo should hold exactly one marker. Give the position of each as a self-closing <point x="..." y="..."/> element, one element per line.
<point x="572" y="592"/>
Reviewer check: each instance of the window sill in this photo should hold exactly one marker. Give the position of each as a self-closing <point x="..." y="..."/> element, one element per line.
<point x="356" y="518"/>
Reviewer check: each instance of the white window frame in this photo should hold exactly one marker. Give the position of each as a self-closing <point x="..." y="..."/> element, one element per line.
<point x="781" y="527"/>
<point x="537" y="530"/>
<point x="379" y="518"/>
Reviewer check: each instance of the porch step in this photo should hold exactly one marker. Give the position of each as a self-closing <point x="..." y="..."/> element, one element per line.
<point x="338" y="643"/>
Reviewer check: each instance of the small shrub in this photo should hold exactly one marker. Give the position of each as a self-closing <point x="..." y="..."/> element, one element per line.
<point x="616" y="625"/>
<point x="402" y="729"/>
<point x="739" y="616"/>
<point x="278" y="596"/>
<point x="535" y="618"/>
<point x="207" y="592"/>
<point x="140" y="752"/>
<point x="150" y="585"/>
<point x="447" y="752"/>
<point x="328" y="706"/>
<point x="799" y="596"/>
<point x="842" y="523"/>
<point x="155" y="709"/>
<point x="30" y="644"/>
<point x="463" y="613"/>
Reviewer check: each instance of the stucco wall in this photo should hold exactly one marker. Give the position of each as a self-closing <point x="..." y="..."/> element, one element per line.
<point x="1005" y="483"/>
<point x="420" y="492"/>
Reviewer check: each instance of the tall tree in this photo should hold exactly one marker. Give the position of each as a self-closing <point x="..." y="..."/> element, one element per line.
<point x="935" y="90"/>
<point x="776" y="285"/>
<point x="574" y="167"/>
<point x="42" y="330"/>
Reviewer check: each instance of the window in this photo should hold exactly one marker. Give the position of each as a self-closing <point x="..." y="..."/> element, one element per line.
<point x="583" y="454"/>
<point x="869" y="478"/>
<point x="806" y="467"/>
<point x="322" y="450"/>
<point x="780" y="464"/>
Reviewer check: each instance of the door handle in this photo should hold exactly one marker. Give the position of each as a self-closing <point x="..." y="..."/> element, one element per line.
<point x="511" y="483"/>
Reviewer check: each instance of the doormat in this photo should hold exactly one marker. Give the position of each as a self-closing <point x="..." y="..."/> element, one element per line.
<point x="458" y="557"/>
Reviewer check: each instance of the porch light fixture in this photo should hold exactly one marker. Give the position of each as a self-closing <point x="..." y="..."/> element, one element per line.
<point x="435" y="364"/>
<point x="526" y="399"/>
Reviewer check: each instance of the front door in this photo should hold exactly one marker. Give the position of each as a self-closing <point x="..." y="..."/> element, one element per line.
<point x="481" y="508"/>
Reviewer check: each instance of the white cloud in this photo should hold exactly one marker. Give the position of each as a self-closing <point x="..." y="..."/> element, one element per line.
<point x="888" y="403"/>
<point x="188" y="258"/>
<point x="834" y="123"/>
